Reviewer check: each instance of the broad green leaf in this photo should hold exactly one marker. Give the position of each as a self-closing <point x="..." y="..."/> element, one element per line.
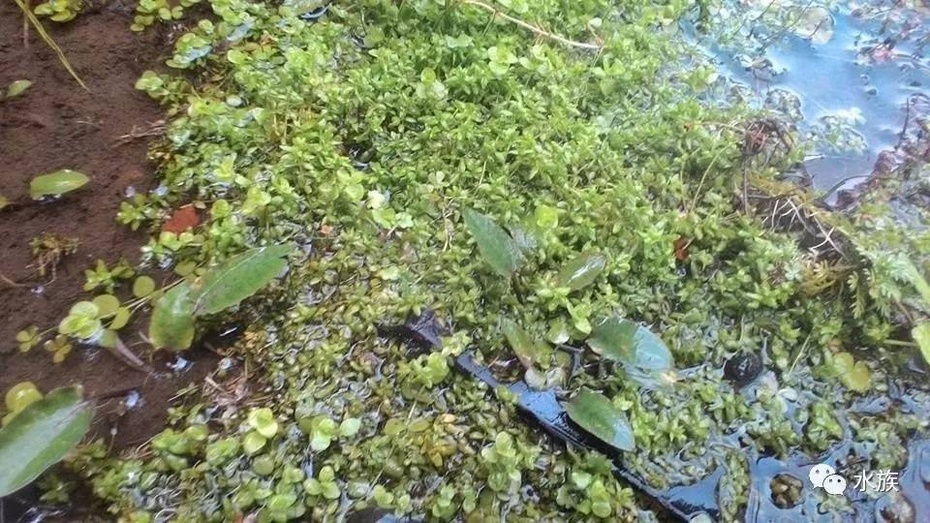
<point x="494" y="244"/>
<point x="17" y="88"/>
<point x="143" y="286"/>
<point x="120" y="319"/>
<point x="172" y="323"/>
<point x="40" y="436"/>
<point x="921" y="334"/>
<point x="56" y="183"/>
<point x="642" y="353"/>
<point x="530" y="352"/>
<point x="106" y="304"/>
<point x="238" y="278"/>
<point x="581" y="271"/>
<point x="596" y="414"/>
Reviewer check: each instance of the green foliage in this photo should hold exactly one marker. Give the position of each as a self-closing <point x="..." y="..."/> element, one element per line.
<point x="56" y="183"/>
<point x="644" y="355"/>
<point x="921" y="335"/>
<point x="172" y="322"/>
<point x="107" y="278"/>
<point x="856" y="375"/>
<point x="597" y="415"/>
<point x="28" y="338"/>
<point x="16" y="89"/>
<point x="237" y="278"/>
<point x="368" y="137"/>
<point x="60" y="10"/>
<point x="503" y="462"/>
<point x="497" y="247"/>
<point x="150" y="11"/>
<point x="221" y="287"/>
<point x="20" y="396"/>
<point x="40" y="435"/>
<point x="581" y="271"/>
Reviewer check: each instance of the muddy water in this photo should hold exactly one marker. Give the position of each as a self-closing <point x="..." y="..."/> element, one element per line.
<point x="848" y="74"/>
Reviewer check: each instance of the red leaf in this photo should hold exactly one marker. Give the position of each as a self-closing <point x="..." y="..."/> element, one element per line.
<point x="681" y="248"/>
<point x="183" y="219"/>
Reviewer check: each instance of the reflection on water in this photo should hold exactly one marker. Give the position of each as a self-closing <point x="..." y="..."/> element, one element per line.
<point x="843" y="72"/>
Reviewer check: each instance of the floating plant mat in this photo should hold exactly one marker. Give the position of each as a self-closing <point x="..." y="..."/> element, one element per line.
<point x="542" y="188"/>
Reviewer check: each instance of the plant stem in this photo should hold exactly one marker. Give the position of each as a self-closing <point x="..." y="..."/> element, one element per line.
<point x="51" y="43"/>
<point x="526" y="25"/>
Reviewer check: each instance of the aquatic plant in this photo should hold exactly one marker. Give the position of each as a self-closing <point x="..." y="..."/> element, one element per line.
<point x="542" y="200"/>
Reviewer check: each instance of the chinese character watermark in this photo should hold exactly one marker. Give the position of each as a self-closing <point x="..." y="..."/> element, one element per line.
<point x="825" y="476"/>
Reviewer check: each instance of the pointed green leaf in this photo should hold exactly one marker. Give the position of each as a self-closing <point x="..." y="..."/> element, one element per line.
<point x="642" y="353"/>
<point x="921" y="334"/>
<point x="528" y="351"/>
<point x="581" y="271"/>
<point x="172" y="323"/>
<point x="494" y="244"/>
<point x="596" y="414"/>
<point x="17" y="88"/>
<point x="56" y="183"/>
<point x="40" y="436"/>
<point x="238" y="278"/>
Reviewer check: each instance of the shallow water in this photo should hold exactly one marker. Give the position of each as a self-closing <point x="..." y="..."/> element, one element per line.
<point x="848" y="76"/>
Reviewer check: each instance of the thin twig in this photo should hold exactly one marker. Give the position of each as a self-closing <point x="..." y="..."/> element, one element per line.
<point x="51" y="43"/>
<point x="534" y="28"/>
<point x="10" y="282"/>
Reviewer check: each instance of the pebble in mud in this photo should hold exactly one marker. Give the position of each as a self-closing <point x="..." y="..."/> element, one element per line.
<point x="742" y="368"/>
<point x="786" y="490"/>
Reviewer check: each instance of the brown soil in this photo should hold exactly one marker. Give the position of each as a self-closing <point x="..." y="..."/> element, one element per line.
<point x="54" y="125"/>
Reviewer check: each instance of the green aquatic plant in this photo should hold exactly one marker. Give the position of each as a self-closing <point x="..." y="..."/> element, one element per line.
<point x="40" y="434"/>
<point x="59" y="10"/>
<point x="57" y="183"/>
<point x="105" y="277"/>
<point x="437" y="157"/>
<point x="219" y="288"/>
<point x="16" y="89"/>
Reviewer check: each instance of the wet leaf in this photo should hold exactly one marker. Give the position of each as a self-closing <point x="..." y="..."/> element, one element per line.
<point x="172" y="323"/>
<point x="642" y="353"/>
<point x="17" y="88"/>
<point x="238" y="278"/>
<point x="120" y="319"/>
<point x="21" y="395"/>
<point x="581" y="271"/>
<point x="3" y="201"/>
<point x="107" y="304"/>
<point x="56" y="183"/>
<point x="40" y="436"/>
<point x="855" y="375"/>
<point x="921" y="334"/>
<point x="264" y="422"/>
<point x="596" y="414"/>
<point x="143" y="286"/>
<point x="521" y="343"/>
<point x="494" y="244"/>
